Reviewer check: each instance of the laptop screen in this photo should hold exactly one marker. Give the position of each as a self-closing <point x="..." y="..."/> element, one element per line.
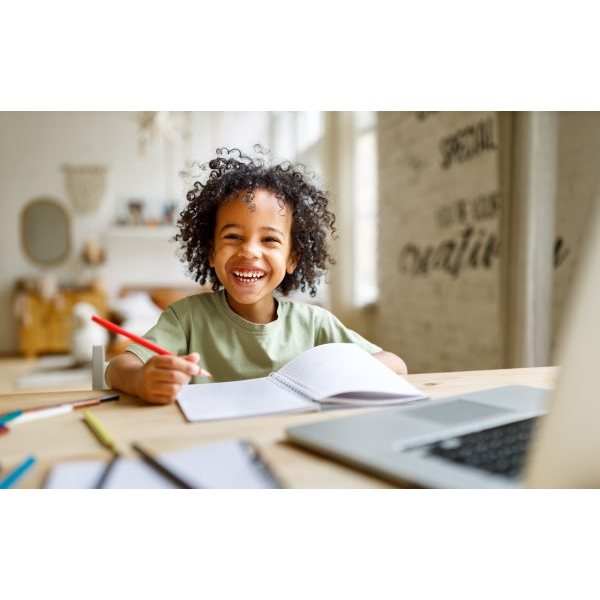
<point x="566" y="451"/>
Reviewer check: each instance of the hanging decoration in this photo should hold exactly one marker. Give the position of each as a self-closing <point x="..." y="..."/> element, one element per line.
<point x="85" y="185"/>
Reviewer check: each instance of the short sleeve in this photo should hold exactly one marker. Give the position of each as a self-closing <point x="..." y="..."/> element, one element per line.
<point x="167" y="333"/>
<point x="333" y="330"/>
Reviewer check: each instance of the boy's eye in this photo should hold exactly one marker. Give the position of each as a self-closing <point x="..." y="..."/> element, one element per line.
<point x="271" y="239"/>
<point x="232" y="236"/>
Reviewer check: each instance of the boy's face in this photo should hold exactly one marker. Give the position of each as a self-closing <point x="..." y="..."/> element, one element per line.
<point x="252" y="251"/>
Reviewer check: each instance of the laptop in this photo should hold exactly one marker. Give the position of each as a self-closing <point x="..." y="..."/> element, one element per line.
<point x="506" y="437"/>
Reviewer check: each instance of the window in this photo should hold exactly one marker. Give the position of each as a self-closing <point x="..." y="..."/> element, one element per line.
<point x="365" y="208"/>
<point x="298" y="137"/>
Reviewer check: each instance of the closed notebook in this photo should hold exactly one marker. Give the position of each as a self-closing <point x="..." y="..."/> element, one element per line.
<point x="330" y="375"/>
<point x="232" y="464"/>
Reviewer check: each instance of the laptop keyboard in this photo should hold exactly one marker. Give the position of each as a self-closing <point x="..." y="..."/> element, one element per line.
<point x="499" y="450"/>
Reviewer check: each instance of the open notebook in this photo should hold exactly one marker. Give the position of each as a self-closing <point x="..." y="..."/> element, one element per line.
<point x="228" y="464"/>
<point x="341" y="375"/>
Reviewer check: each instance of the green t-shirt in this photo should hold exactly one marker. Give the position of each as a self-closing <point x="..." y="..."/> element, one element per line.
<point x="232" y="348"/>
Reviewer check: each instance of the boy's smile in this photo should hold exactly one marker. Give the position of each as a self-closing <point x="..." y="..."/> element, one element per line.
<point x="252" y="252"/>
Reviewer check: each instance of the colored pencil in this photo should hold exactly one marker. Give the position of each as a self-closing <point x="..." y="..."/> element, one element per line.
<point x="106" y="440"/>
<point x="17" y="473"/>
<point x="140" y="340"/>
<point x="75" y="403"/>
<point x="99" y="430"/>
<point x="160" y="468"/>
<point x="4" y="429"/>
<point x="34" y="415"/>
<point x="92" y="401"/>
<point x="10" y="416"/>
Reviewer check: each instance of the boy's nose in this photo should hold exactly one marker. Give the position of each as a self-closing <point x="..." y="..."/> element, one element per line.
<point x="249" y="250"/>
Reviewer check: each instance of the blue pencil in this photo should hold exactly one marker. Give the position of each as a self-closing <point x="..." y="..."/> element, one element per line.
<point x="17" y="473"/>
<point x="9" y="416"/>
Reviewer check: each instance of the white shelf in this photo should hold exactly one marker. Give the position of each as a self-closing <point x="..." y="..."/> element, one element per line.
<point x="165" y="232"/>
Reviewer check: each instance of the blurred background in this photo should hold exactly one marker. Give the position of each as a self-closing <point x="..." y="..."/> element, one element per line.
<point x="459" y="232"/>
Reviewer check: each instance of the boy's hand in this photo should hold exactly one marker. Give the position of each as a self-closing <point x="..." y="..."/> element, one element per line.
<point x="161" y="377"/>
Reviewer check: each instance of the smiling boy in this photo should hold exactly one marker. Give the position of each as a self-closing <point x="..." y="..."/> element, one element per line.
<point x="251" y="230"/>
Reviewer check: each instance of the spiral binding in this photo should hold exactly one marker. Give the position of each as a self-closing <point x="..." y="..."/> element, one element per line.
<point x="299" y="388"/>
<point x="260" y="464"/>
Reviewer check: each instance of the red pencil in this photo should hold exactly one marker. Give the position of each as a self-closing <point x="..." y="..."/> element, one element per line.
<point x="140" y="340"/>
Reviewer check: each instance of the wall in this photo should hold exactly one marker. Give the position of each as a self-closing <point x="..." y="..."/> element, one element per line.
<point x="442" y="300"/>
<point x="442" y="313"/>
<point x="440" y="305"/>
<point x="578" y="188"/>
<point x="33" y="148"/>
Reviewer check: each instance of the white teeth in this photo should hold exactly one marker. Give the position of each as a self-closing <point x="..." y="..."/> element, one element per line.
<point x="250" y="276"/>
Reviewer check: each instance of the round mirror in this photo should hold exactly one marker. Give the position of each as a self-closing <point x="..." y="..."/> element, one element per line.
<point x="45" y="231"/>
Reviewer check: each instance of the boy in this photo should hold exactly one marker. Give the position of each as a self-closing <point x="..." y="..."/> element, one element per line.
<point x="250" y="229"/>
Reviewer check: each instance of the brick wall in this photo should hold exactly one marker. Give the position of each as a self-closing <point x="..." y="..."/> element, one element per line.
<point x="439" y="271"/>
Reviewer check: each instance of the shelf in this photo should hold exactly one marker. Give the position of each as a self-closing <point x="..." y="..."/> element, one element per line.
<point x="138" y="231"/>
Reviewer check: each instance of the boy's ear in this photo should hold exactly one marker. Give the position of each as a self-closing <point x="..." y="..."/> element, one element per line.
<point x="211" y="257"/>
<point x="292" y="263"/>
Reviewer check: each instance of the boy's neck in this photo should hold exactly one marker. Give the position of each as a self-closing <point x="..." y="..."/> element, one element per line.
<point x="262" y="312"/>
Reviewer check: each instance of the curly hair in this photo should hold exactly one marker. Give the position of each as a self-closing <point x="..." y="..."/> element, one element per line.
<point x="232" y="173"/>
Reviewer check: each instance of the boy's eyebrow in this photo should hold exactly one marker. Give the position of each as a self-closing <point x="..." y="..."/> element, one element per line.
<point x="275" y="230"/>
<point x="226" y="226"/>
<point x="266" y="227"/>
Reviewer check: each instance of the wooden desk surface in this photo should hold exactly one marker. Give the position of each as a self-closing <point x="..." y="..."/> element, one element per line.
<point x="164" y="428"/>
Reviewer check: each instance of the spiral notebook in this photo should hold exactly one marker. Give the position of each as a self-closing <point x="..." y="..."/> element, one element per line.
<point x="331" y="375"/>
<point x="231" y="464"/>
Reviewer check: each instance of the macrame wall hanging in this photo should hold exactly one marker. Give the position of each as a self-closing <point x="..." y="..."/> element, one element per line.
<point x="85" y="186"/>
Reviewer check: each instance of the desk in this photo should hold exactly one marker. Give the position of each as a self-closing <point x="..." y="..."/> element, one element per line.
<point x="163" y="429"/>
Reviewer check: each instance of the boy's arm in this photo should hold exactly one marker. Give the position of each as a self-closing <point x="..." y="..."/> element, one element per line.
<point x="123" y="373"/>
<point x="395" y="363"/>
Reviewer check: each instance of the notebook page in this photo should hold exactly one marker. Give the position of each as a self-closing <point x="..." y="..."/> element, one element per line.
<point x="224" y="465"/>
<point x="335" y="369"/>
<point x="236" y="399"/>
<point x="127" y="473"/>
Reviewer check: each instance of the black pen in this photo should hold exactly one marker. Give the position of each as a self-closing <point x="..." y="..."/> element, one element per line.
<point x="160" y="468"/>
<point x="106" y="471"/>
